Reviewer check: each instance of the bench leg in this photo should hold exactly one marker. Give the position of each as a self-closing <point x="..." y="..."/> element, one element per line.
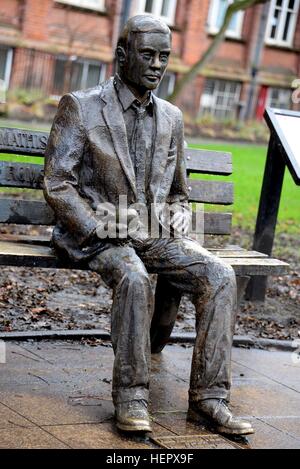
<point x="167" y="301"/>
<point x="257" y="288"/>
<point x="241" y="283"/>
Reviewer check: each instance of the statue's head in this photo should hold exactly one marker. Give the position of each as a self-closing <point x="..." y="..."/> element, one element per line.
<point x="143" y="52"/>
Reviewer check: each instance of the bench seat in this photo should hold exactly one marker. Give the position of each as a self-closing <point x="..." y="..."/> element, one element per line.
<point x="20" y="253"/>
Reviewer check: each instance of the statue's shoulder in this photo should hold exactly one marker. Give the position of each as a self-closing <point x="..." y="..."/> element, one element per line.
<point x="168" y="107"/>
<point x="86" y="97"/>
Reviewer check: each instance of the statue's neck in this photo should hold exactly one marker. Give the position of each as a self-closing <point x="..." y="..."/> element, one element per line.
<point x="141" y="94"/>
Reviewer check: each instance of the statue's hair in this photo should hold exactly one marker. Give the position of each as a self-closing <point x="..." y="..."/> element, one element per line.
<point x="142" y="24"/>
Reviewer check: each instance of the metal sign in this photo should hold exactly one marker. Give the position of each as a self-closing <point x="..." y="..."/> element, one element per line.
<point x="286" y="127"/>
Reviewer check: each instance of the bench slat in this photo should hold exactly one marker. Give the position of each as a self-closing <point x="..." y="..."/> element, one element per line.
<point x="257" y="266"/>
<point x="237" y="253"/>
<point x="208" y="161"/>
<point x="25" y="212"/>
<point x="33" y="143"/>
<point x="45" y="241"/>
<point x="23" y="142"/>
<point x="37" y="212"/>
<point x="18" y="254"/>
<point x="215" y="223"/>
<point x="210" y="192"/>
<point x="42" y="256"/>
<point x="27" y="239"/>
<point x="22" y="175"/>
<point x="30" y="176"/>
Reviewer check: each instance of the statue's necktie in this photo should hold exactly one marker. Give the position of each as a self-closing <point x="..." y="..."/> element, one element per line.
<point x="138" y="148"/>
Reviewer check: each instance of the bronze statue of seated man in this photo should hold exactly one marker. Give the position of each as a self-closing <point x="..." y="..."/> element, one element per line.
<point x="120" y="140"/>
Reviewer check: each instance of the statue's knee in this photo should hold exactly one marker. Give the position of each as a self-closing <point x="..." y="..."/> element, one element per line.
<point x="95" y="264"/>
<point x="137" y="278"/>
<point x="229" y="274"/>
<point x="221" y="274"/>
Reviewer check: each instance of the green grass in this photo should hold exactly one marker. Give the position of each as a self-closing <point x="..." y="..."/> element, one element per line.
<point x="21" y="159"/>
<point x="248" y="169"/>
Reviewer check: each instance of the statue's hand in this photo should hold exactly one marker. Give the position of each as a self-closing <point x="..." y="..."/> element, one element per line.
<point x="127" y="225"/>
<point x="180" y="222"/>
<point x="135" y="227"/>
<point x="137" y="230"/>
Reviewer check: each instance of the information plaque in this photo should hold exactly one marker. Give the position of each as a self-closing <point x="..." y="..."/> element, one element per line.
<point x="285" y="127"/>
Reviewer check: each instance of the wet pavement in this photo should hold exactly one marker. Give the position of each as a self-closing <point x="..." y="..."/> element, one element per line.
<point x="56" y="394"/>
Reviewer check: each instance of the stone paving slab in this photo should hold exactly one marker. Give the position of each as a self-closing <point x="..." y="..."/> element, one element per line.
<point x="269" y="437"/>
<point x="277" y="366"/>
<point x="287" y="424"/>
<point x="264" y="400"/>
<point x="10" y="419"/>
<point x="58" y="394"/>
<point x="49" y="409"/>
<point x="29" y="438"/>
<point x="177" y="423"/>
<point x="84" y="436"/>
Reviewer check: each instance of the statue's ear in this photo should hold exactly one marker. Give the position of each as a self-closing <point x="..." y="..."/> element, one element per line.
<point x="121" y="55"/>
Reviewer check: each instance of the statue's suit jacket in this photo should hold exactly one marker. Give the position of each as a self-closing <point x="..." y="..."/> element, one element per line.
<point x="87" y="162"/>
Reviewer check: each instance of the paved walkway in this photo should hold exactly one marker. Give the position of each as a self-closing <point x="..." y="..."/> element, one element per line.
<point x="56" y="394"/>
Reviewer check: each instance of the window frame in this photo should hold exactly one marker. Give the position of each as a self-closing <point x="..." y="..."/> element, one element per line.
<point x="170" y="19"/>
<point x="83" y="4"/>
<point x="213" y="13"/>
<point x="292" y="27"/>
<point x="280" y="89"/>
<point x="213" y="108"/>
<point x="85" y="63"/>
<point x="8" y="65"/>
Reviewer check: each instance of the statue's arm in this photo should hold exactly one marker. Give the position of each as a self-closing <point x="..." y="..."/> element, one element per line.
<point x="63" y="159"/>
<point x="179" y="194"/>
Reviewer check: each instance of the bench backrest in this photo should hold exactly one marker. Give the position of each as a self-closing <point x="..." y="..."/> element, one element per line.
<point x="30" y="175"/>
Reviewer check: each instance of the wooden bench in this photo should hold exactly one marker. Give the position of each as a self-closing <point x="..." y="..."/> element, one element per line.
<point x="30" y="251"/>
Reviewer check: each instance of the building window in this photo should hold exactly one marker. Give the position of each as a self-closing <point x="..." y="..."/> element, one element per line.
<point x="280" y="98"/>
<point x="220" y="98"/>
<point x="98" y="5"/>
<point x="166" y="9"/>
<point x="282" y="22"/>
<point x="70" y="75"/>
<point x="6" y="55"/>
<point x="216" y="16"/>
<point x="166" y="86"/>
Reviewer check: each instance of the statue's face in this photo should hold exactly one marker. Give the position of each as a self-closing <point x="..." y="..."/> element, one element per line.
<point x="146" y="60"/>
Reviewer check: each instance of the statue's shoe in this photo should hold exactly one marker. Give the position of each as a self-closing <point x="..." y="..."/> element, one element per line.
<point x="133" y="416"/>
<point x="217" y="413"/>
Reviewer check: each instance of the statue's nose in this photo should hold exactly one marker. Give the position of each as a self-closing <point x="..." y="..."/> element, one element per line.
<point x="156" y="62"/>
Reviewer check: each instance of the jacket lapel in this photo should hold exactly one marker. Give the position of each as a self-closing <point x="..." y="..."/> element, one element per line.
<point x="115" y="122"/>
<point x="161" y="147"/>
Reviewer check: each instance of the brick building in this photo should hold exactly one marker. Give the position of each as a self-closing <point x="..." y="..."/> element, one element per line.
<point x="61" y="45"/>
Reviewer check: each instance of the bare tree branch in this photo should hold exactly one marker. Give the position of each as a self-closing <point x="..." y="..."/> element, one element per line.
<point x="237" y="5"/>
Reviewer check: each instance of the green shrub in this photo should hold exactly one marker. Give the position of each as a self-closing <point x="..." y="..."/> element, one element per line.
<point x="228" y="129"/>
<point x="25" y="97"/>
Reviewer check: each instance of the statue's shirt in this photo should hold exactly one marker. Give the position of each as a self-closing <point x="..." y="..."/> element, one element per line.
<point x="140" y="126"/>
